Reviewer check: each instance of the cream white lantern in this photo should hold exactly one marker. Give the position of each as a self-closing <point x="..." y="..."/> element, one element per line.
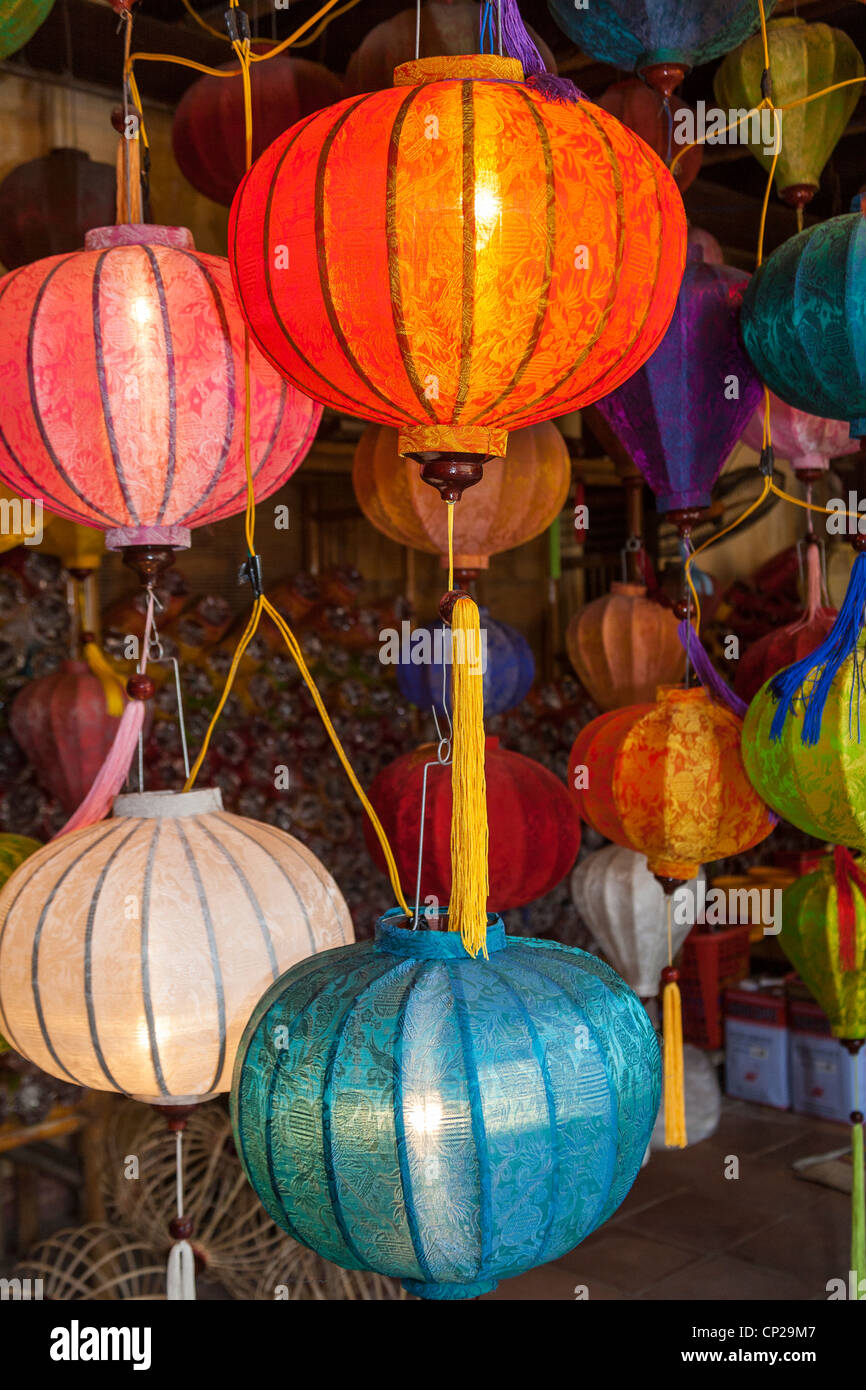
<point x="132" y="952"/>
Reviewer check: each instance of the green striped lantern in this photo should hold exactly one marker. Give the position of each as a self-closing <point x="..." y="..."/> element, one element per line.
<point x="133" y="951"/>
<point x="19" y="20"/>
<point x="824" y="937"/>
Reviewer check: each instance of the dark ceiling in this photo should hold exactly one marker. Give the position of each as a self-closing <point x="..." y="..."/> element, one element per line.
<point x="82" y="38"/>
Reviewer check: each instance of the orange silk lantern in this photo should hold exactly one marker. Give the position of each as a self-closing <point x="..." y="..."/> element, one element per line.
<point x="623" y="646"/>
<point x="457" y="257"/>
<point x="517" y="498"/>
<point x="668" y="780"/>
<point x="122" y="373"/>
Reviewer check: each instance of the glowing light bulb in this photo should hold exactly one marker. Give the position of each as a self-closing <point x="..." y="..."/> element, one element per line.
<point x="426" y="1118"/>
<point x="488" y="209"/>
<point x="141" y="310"/>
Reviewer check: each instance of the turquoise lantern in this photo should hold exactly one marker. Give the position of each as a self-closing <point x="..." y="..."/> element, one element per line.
<point x="402" y="1107"/>
<point x="804" y="320"/>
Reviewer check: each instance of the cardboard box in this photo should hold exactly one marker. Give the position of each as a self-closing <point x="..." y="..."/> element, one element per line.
<point x="756" y="1047"/>
<point x="822" y="1072"/>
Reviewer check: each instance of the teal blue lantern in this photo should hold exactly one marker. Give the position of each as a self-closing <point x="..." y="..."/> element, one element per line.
<point x="402" y="1107"/>
<point x="804" y="320"/>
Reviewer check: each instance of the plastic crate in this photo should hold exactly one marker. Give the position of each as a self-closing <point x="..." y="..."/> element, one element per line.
<point x="710" y="962"/>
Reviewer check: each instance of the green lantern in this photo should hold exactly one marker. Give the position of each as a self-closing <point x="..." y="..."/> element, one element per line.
<point x="19" y="20"/>
<point x="824" y="938"/>
<point x="804" y="58"/>
<point x="818" y="786"/>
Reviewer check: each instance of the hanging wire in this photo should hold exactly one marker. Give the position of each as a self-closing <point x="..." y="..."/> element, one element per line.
<point x="417" y="29"/>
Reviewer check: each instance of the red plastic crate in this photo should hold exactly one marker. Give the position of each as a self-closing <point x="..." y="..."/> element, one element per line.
<point x="710" y="962"/>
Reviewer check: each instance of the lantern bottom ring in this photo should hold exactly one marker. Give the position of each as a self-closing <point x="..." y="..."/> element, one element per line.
<point x="451" y="474"/>
<point x="177" y="537"/>
<point x="474" y="1289"/>
<point x="165" y="1104"/>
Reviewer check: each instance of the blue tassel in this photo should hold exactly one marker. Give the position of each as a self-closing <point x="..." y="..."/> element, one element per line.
<point x="824" y="664"/>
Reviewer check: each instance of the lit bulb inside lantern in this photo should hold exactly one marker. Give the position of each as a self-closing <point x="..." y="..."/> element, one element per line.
<point x="488" y="209"/>
<point x="426" y="1118"/>
<point x="141" y="310"/>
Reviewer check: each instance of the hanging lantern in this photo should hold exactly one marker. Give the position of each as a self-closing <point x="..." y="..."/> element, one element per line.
<point x="668" y="780"/>
<point x="131" y="952"/>
<point x="623" y="905"/>
<point x="534" y="833"/>
<point x="509" y="666"/>
<point x="681" y="415"/>
<point x="659" y="42"/>
<point x="14" y="849"/>
<point x="646" y="112"/>
<point x="207" y="135"/>
<point x="782" y="646"/>
<point x="63" y="724"/>
<point x="710" y="248"/>
<point x="444" y="1120"/>
<point x="623" y="646"/>
<point x="807" y="441"/>
<point x="824" y="937"/>
<point x="450" y="292"/>
<point x="804" y="58"/>
<point x="804" y="320"/>
<point x="819" y="785"/>
<point x="19" y="20"/>
<point x="516" y="499"/>
<point x="123" y="367"/>
<point x="48" y="205"/>
<point x="448" y="28"/>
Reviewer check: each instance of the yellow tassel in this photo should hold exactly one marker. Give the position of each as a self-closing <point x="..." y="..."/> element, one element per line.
<point x="111" y="682"/>
<point x="675" y="1095"/>
<point x="469" y="836"/>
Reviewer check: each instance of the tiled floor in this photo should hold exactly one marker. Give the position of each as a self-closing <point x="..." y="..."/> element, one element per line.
<point x="686" y="1231"/>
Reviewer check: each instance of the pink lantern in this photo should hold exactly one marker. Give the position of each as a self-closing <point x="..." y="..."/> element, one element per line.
<point x="809" y="441"/>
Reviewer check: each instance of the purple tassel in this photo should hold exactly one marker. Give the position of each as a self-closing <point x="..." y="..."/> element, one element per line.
<point x="706" y="671"/>
<point x="516" y="43"/>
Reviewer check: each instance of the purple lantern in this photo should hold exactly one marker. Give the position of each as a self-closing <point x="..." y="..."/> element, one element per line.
<point x="683" y="412"/>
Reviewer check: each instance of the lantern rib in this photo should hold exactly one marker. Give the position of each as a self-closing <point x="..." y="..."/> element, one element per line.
<point x="476" y="1114"/>
<point x="214" y="952"/>
<point x="145" y="964"/>
<point x="392" y="243"/>
<point x="251" y="897"/>
<point x="171" y="380"/>
<point x="88" y="957"/>
<point x="422" y="971"/>
<point x="113" y="444"/>
<point x="37" y="415"/>
<point x="37" y="939"/>
<point x="468" y="260"/>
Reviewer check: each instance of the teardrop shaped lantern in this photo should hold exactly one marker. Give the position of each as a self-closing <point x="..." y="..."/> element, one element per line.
<point x="623" y="905"/>
<point x="669" y="781"/>
<point x="660" y="42"/>
<point x="623" y="646"/>
<point x="804" y="320"/>
<point x="133" y="951"/>
<point x="782" y="646"/>
<point x="448" y="1121"/>
<point x="516" y="499"/>
<point x="809" y="442"/>
<point x="680" y="416"/>
<point x="646" y="112"/>
<point x="824" y="937"/>
<point x="48" y="205"/>
<point x="804" y="59"/>
<point x="63" y="724"/>
<point x="449" y="27"/>
<point x="534" y="833"/>
<point x="19" y="21"/>
<point x="485" y="257"/>
<point x="123" y="370"/>
<point x="426" y="658"/>
<point x="207" y="133"/>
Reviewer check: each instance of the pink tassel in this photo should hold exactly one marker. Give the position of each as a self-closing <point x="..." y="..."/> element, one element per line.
<point x="813" y="583"/>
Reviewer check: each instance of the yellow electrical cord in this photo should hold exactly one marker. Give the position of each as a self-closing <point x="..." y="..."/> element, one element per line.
<point x="450" y="506"/>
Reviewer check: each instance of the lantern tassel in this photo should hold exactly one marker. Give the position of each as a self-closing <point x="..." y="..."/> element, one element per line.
<point x="113" y="773"/>
<point x="674" y="1066"/>
<point x="858" y="1195"/>
<point x="108" y="678"/>
<point x="706" y="671"/>
<point x="847" y="877"/>
<point x="180" y="1272"/>
<point x="823" y="665"/>
<point x="469" y="831"/>
<point x="517" y="43"/>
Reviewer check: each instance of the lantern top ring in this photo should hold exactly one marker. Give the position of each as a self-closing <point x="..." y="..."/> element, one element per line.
<point x="162" y="805"/>
<point x="476" y="67"/>
<point x="395" y="937"/>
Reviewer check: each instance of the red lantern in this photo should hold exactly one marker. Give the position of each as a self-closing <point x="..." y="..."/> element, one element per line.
<point x="645" y="111"/>
<point x="48" y="205"/>
<point x="208" y="131"/>
<point x="63" y="726"/>
<point x="534" y="833"/>
<point x="457" y="257"/>
<point x="122" y="373"/>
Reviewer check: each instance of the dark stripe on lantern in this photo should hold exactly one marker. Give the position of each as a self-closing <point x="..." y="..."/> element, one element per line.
<point x="230" y="391"/>
<point x="278" y="424"/>
<point x="88" y="944"/>
<point x="251" y="897"/>
<point x="145" y="960"/>
<point x="253" y="840"/>
<point x="392" y="241"/>
<point x="322" y="256"/>
<point x="425" y="969"/>
<point x="103" y="389"/>
<point x="33" y="871"/>
<point x="34" y="405"/>
<point x="171" y="380"/>
<point x="469" y="234"/>
<point x="272" y="1173"/>
<point x="549" y="253"/>
<point x="37" y="938"/>
<point x="214" y="954"/>
<point x="476" y="1113"/>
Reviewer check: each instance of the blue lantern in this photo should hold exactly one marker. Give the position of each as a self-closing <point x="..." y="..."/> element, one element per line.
<point x="804" y="320"/>
<point x="508" y="672"/>
<point x="402" y="1107"/>
<point x="641" y="34"/>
